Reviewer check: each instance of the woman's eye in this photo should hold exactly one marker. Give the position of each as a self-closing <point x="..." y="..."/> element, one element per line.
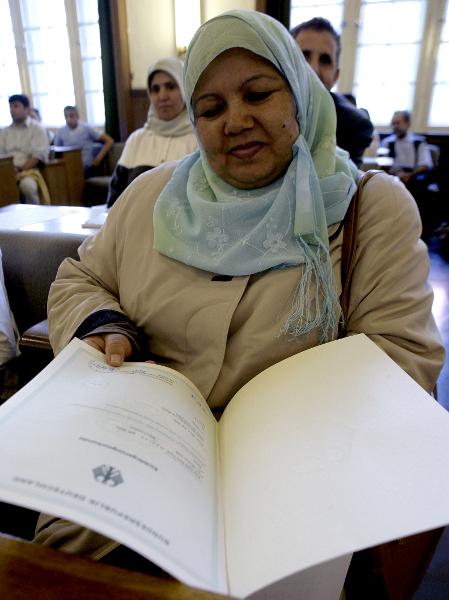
<point x="258" y="96"/>
<point x="210" y="113"/>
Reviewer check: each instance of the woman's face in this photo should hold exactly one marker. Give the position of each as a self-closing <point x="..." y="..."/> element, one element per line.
<point x="165" y="96"/>
<point x="245" y="117"/>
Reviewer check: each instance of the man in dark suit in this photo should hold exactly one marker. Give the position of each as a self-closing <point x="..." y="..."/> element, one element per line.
<point x="320" y="44"/>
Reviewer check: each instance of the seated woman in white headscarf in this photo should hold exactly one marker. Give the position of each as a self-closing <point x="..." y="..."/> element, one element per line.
<point x="228" y="261"/>
<point x="168" y="133"/>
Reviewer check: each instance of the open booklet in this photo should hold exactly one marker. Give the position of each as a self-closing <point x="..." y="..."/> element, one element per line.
<point x="327" y="452"/>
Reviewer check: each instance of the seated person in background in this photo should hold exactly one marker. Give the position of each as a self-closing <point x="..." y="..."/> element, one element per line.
<point x="167" y="134"/>
<point x="410" y="153"/>
<point x="27" y="142"/>
<point x="81" y="135"/>
<point x="320" y="44"/>
<point x="228" y="261"/>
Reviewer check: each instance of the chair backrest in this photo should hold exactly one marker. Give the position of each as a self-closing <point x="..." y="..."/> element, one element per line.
<point x="435" y="154"/>
<point x="114" y="154"/>
<point x="30" y="262"/>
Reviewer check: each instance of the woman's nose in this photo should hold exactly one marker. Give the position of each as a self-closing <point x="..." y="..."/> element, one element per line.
<point x="238" y="118"/>
<point x="163" y="93"/>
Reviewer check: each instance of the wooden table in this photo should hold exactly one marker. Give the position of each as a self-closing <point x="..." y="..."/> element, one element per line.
<point x="31" y="571"/>
<point x="55" y="219"/>
<point x="74" y="174"/>
<point x="9" y="192"/>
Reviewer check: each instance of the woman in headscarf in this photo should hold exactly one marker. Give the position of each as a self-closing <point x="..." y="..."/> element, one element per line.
<point x="167" y="135"/>
<point x="229" y="261"/>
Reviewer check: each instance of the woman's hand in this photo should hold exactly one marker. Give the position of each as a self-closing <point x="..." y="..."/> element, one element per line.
<point x="116" y="346"/>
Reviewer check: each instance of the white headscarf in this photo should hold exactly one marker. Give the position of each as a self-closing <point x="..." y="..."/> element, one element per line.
<point x="203" y="221"/>
<point x="180" y="125"/>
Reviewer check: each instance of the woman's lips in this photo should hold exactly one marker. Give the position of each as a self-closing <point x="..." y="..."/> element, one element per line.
<point x="246" y="150"/>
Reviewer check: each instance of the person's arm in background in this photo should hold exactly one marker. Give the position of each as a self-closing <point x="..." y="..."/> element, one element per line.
<point x="107" y="141"/>
<point x="424" y="163"/>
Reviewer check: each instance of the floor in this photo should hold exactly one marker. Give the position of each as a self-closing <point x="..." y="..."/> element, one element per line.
<point x="435" y="585"/>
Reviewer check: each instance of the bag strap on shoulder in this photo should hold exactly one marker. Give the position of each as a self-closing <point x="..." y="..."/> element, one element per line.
<point x="350" y="235"/>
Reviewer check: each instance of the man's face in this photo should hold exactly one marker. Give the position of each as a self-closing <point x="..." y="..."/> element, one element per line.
<point x="320" y="51"/>
<point x="399" y="125"/>
<point x="71" y="118"/>
<point x="19" y="112"/>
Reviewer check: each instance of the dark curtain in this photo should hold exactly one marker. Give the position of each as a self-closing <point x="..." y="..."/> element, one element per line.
<point x="280" y="10"/>
<point x="108" y="67"/>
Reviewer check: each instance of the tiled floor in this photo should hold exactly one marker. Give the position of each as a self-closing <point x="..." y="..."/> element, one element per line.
<point x="435" y="585"/>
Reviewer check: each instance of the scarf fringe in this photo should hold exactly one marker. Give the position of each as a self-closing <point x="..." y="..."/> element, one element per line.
<point x="320" y="310"/>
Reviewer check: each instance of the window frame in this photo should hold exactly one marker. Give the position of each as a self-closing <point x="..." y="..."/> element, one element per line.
<point x="76" y="63"/>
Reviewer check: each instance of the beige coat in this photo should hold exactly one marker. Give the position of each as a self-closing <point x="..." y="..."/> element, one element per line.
<point x="222" y="333"/>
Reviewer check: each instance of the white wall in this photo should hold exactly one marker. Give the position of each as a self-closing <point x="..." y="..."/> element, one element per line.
<point x="151" y="35"/>
<point x="212" y="8"/>
<point x="151" y="31"/>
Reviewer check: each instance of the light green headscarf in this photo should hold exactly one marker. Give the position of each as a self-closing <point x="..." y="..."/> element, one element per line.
<point x="204" y="222"/>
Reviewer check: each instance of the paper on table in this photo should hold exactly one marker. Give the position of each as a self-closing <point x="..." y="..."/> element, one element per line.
<point x="163" y="436"/>
<point x="97" y="219"/>
<point x="331" y="451"/>
<point x="11" y="220"/>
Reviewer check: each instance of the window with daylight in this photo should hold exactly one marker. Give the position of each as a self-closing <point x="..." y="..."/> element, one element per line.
<point x="332" y="10"/>
<point x="9" y="71"/>
<point x="52" y="56"/>
<point x="439" y="113"/>
<point x="388" y="55"/>
<point x="395" y="55"/>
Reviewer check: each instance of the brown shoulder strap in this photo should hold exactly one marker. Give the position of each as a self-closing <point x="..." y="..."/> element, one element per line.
<point x="350" y="233"/>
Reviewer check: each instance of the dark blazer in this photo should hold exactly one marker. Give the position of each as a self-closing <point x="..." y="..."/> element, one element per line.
<point x="354" y="128"/>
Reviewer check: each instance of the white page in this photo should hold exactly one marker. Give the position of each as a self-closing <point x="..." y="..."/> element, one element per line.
<point x="82" y="426"/>
<point x="326" y="453"/>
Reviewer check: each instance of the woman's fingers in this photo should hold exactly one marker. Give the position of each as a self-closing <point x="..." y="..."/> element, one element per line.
<point x="117" y="349"/>
<point x="115" y="346"/>
<point x="96" y="341"/>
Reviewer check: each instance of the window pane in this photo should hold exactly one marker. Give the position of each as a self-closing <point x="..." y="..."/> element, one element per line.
<point x="380" y="22"/>
<point x="43" y="80"/>
<point x="36" y="13"/>
<point x="304" y="11"/>
<point x="92" y="76"/>
<point x="51" y="107"/>
<point x="9" y="72"/>
<point x="388" y="98"/>
<point x="90" y="41"/>
<point x="387" y="56"/>
<point x="95" y="108"/>
<point x="89" y="33"/>
<point x="41" y="44"/>
<point x="401" y="61"/>
<point x="48" y="56"/>
<point x="442" y="72"/>
<point x="439" y="114"/>
<point x="87" y="11"/>
<point x="440" y="101"/>
<point x="445" y="32"/>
